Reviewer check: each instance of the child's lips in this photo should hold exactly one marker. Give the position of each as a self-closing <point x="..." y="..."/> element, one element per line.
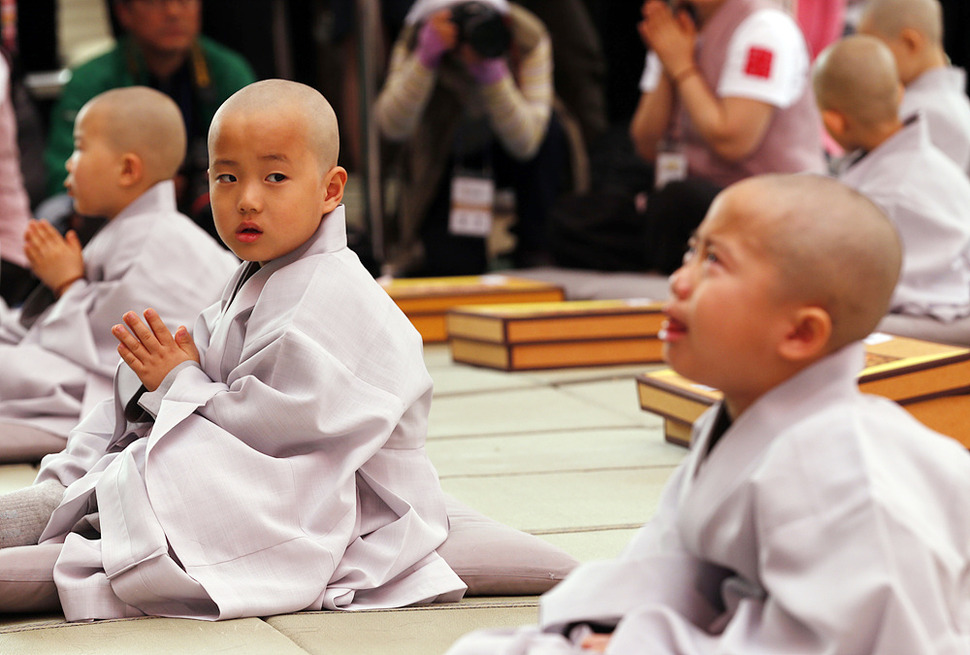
<point x="248" y="233"/>
<point x="672" y="330"/>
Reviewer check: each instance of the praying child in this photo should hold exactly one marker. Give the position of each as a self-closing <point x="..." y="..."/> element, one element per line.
<point x="808" y="518"/>
<point x="273" y="460"/>
<point x="57" y="350"/>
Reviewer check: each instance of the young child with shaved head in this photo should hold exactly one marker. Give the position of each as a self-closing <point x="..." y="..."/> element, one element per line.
<point x="894" y="163"/>
<point x="808" y="518"/>
<point x="913" y="30"/>
<point x="57" y="351"/>
<point x="273" y="460"/>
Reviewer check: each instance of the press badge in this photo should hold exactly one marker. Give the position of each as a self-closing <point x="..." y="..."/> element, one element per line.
<point x="671" y="166"/>
<point x="472" y="199"/>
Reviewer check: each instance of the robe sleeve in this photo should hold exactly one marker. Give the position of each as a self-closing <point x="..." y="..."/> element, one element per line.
<point x="284" y="399"/>
<point x="256" y="479"/>
<point x="130" y="266"/>
<point x="86" y="445"/>
<point x="841" y="573"/>
<point x="654" y="568"/>
<point x="100" y="429"/>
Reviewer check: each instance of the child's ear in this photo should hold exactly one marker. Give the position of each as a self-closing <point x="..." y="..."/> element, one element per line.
<point x="809" y="335"/>
<point x="912" y="40"/>
<point x="334" y="182"/>
<point x="132" y="169"/>
<point x="835" y="123"/>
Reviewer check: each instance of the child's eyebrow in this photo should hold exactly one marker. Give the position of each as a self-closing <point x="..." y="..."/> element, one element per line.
<point x="706" y="243"/>
<point x="700" y="241"/>
<point x="223" y="162"/>
<point x="274" y="157"/>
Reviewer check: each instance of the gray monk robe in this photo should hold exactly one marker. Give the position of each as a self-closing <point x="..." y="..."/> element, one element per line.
<point x="823" y="522"/>
<point x="927" y="197"/>
<point x="940" y="93"/>
<point x="287" y="472"/>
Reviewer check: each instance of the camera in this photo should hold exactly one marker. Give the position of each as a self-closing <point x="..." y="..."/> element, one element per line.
<point x="483" y="28"/>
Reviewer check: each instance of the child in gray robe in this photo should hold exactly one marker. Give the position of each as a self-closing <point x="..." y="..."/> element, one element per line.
<point x="808" y="518"/>
<point x="273" y="460"/>
<point x="57" y="350"/>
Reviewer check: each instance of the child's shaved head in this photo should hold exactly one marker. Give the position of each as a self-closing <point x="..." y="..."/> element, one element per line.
<point x="276" y="95"/>
<point x="273" y="173"/>
<point x="857" y="77"/>
<point x="832" y="246"/>
<point x="145" y="122"/>
<point x="890" y="17"/>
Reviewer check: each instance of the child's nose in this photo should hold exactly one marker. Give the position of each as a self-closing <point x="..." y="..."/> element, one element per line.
<point x="679" y="282"/>
<point x="248" y="199"/>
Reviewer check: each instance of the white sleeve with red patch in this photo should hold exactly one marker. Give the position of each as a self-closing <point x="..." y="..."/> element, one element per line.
<point x="767" y="60"/>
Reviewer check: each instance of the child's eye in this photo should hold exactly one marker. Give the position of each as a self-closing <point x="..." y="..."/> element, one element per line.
<point x="225" y="178"/>
<point x="275" y="177"/>
<point x="711" y="261"/>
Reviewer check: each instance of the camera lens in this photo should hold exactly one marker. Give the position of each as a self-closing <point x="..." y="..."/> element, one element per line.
<point x="483" y="28"/>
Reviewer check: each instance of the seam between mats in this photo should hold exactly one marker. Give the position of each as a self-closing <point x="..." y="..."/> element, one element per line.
<point x="511" y="474"/>
<point x="526" y="433"/>
<point x="58" y="625"/>
<point x="461" y="606"/>
<point x="589" y="528"/>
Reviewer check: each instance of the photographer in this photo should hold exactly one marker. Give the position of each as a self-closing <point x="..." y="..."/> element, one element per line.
<point x="469" y="94"/>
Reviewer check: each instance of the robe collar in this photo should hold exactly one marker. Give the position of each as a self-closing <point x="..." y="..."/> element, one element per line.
<point x="158" y="198"/>
<point x="709" y="496"/>
<point x="247" y="283"/>
<point x="330" y="236"/>
<point x="830" y="380"/>
<point x="913" y="135"/>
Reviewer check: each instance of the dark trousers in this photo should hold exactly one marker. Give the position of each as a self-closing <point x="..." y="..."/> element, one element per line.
<point x="613" y="229"/>
<point x="537" y="184"/>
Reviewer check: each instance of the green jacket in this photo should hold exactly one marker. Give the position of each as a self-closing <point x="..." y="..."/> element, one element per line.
<point x="225" y="70"/>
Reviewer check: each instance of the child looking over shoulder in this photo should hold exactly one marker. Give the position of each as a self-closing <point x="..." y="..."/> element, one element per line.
<point x="273" y="460"/>
<point x="809" y="517"/>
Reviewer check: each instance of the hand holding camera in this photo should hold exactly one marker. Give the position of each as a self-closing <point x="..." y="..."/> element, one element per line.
<point x="438" y="35"/>
<point x="475" y="31"/>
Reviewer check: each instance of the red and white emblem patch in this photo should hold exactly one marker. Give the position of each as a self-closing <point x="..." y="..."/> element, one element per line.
<point x="759" y="62"/>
